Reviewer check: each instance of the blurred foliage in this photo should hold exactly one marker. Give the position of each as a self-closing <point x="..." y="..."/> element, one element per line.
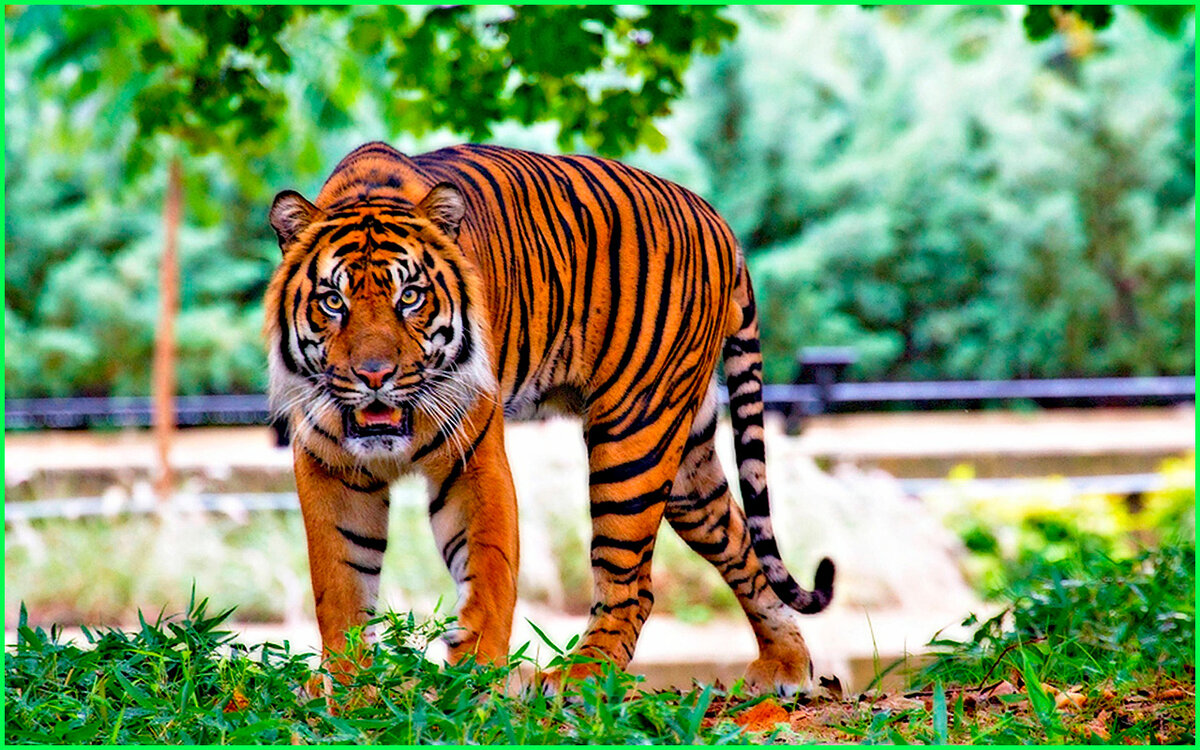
<point x="1042" y="20"/>
<point x="925" y="184"/>
<point x="215" y="77"/>
<point x="1046" y="522"/>
<point x="93" y="571"/>
<point x="954" y="201"/>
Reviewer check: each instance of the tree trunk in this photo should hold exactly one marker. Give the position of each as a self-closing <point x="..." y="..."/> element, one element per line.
<point x="163" y="385"/>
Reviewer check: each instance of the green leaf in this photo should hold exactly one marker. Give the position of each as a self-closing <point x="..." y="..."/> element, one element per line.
<point x="941" y="731"/>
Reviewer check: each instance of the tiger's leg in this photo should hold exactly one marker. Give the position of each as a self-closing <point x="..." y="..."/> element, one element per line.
<point x="631" y="468"/>
<point x="474" y="517"/>
<point x="702" y="512"/>
<point x="345" y="519"/>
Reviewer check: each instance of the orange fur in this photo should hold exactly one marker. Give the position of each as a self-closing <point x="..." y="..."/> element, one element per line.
<point x="421" y="301"/>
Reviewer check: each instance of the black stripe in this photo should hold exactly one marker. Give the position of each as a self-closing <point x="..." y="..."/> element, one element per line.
<point x="364" y="569"/>
<point x="602" y="607"/>
<point x="318" y="460"/>
<point x="367" y="542"/>
<point x="628" y="507"/>
<point x="312" y="424"/>
<point x="366" y="489"/>
<point x="614" y="569"/>
<point x="706" y="548"/>
<point x="452" y="551"/>
<point x="372" y="488"/>
<point x="632" y="545"/>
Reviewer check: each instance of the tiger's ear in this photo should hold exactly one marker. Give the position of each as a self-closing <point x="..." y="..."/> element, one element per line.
<point x="290" y="214"/>
<point x="445" y="207"/>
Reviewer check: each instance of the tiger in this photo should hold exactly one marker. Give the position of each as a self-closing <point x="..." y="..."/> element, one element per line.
<point x="423" y="301"/>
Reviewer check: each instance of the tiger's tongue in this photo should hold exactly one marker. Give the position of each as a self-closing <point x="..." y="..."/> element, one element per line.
<point x="377" y="414"/>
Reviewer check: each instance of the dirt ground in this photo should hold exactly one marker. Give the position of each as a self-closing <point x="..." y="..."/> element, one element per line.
<point x="899" y="581"/>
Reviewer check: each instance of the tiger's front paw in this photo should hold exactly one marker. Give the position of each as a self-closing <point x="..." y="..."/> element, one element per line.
<point x="554" y="681"/>
<point x="564" y="680"/>
<point x="463" y="645"/>
<point x="338" y="698"/>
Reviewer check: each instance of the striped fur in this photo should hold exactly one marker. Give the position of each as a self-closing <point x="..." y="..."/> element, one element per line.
<point x="432" y="297"/>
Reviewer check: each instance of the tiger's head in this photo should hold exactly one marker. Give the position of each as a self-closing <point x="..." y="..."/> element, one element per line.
<point x="373" y="321"/>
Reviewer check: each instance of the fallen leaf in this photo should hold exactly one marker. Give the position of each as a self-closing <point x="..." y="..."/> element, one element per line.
<point x="761" y="717"/>
<point x="1172" y="694"/>
<point x="833" y="685"/>
<point x="239" y="702"/>
<point x="1069" y="700"/>
<point x="1097" y="727"/>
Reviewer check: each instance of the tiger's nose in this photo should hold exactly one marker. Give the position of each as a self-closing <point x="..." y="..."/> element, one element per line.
<point x="373" y="372"/>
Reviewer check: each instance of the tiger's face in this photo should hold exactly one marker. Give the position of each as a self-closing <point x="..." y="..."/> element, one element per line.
<point x="371" y="321"/>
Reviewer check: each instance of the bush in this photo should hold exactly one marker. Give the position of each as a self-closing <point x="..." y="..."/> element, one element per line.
<point x="1093" y="588"/>
<point x="1086" y="618"/>
<point x="1009" y="535"/>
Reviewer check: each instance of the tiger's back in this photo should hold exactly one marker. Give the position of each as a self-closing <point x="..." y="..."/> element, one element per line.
<point x="599" y="277"/>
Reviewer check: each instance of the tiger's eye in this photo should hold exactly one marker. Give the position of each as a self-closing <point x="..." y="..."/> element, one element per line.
<point x="333" y="302"/>
<point x="409" y="297"/>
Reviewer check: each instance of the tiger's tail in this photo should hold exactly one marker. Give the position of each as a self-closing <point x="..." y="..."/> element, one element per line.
<point x="743" y="376"/>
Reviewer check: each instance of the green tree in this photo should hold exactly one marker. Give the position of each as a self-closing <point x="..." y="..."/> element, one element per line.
<point x="955" y="202"/>
<point x="101" y="99"/>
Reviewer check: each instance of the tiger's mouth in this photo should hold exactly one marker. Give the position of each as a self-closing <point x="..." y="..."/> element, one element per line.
<point x="378" y="418"/>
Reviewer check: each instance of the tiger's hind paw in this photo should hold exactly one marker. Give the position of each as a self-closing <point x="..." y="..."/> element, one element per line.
<point x="788" y="677"/>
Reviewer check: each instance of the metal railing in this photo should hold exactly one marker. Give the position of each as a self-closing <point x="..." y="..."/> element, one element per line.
<point x="134" y="411"/>
<point x="1177" y="388"/>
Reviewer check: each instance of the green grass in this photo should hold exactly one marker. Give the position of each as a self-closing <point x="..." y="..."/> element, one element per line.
<point x="182" y="680"/>
<point x="1117" y="632"/>
<point x="1090" y="650"/>
<point x="1087" y="618"/>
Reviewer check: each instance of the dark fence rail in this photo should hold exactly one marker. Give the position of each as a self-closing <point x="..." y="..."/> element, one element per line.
<point x="66" y="413"/>
<point x="132" y="411"/>
<point x="1182" y="388"/>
